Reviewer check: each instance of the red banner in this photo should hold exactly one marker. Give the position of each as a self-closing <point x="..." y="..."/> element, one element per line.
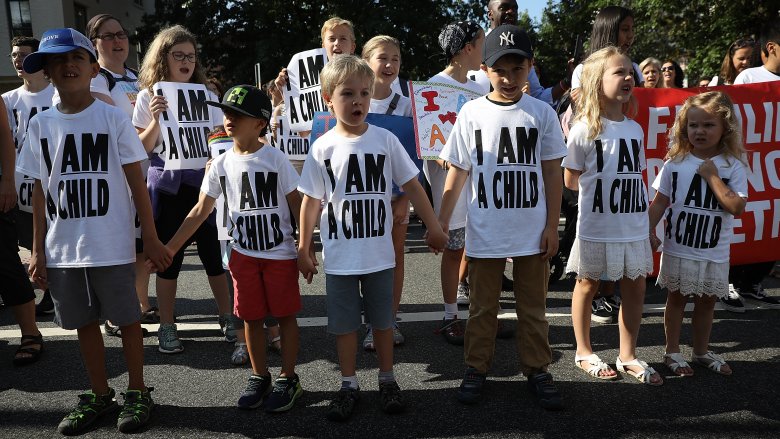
<point x="756" y="232"/>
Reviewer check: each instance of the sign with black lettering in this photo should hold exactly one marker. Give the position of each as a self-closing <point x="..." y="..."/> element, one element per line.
<point x="303" y="94"/>
<point x="24" y="189"/>
<point x="185" y="125"/>
<point x="289" y="142"/>
<point x="218" y="147"/>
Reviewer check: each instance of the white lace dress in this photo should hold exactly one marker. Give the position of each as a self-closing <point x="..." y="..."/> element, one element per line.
<point x="694" y="278"/>
<point x="610" y="260"/>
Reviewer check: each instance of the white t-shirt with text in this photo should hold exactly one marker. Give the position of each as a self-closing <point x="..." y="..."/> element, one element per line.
<point x="613" y="198"/>
<point x="79" y="159"/>
<point x="697" y="227"/>
<point x="502" y="147"/>
<point x="354" y="176"/>
<point x="255" y="188"/>
<point x="22" y="105"/>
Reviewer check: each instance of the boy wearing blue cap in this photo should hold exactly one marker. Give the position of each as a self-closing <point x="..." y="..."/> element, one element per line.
<point x="84" y="155"/>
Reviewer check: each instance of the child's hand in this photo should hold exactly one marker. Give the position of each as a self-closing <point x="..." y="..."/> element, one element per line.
<point x="436" y="240"/>
<point x="208" y="165"/>
<point x="158" y="254"/>
<point x="707" y="169"/>
<point x="37" y="270"/>
<point x="307" y="263"/>
<point x="281" y="79"/>
<point x="157" y="105"/>
<point x="654" y="241"/>
<point x="549" y="243"/>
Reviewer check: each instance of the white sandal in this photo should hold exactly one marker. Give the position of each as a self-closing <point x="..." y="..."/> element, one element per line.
<point x="595" y="365"/>
<point x="711" y="361"/>
<point x="677" y="362"/>
<point x="240" y="354"/>
<point x="643" y="376"/>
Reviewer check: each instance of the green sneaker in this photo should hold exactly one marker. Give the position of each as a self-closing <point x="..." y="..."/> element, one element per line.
<point x="89" y="409"/>
<point x="286" y="391"/>
<point x="136" y="411"/>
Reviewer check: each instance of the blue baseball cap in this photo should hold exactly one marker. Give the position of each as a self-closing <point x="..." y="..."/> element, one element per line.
<point x="60" y="40"/>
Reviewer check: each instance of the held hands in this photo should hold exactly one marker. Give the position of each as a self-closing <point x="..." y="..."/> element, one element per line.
<point x="549" y="243"/>
<point x="707" y="169"/>
<point x="307" y="263"/>
<point x="37" y="270"/>
<point x="157" y="105"/>
<point x="437" y="239"/>
<point x="158" y="256"/>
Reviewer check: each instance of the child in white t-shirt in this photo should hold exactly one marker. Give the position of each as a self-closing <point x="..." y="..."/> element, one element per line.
<point x="701" y="188"/>
<point x="172" y="57"/>
<point x="769" y="43"/>
<point x="383" y="55"/>
<point x="259" y="186"/>
<point x="461" y="43"/>
<point x="507" y="146"/>
<point x="605" y="163"/>
<point x="352" y="167"/>
<point x="85" y="158"/>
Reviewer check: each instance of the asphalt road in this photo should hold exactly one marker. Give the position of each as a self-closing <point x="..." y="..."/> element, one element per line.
<point x="196" y="391"/>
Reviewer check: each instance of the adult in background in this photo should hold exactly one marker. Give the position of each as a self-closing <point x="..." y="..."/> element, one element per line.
<point x="651" y="70"/>
<point x="117" y="85"/>
<point x="672" y="75"/>
<point x="738" y="58"/>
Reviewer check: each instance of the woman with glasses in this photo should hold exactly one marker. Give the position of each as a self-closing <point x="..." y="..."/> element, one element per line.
<point x="672" y="75"/>
<point x="738" y="58"/>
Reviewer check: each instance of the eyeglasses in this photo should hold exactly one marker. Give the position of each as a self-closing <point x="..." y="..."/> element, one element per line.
<point x="121" y="35"/>
<point x="181" y="56"/>
<point x="18" y="55"/>
<point x="667" y="69"/>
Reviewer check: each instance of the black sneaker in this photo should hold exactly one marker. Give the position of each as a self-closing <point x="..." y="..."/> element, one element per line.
<point x="452" y="331"/>
<point x="341" y="407"/>
<point x="755" y="293"/>
<point x="45" y="306"/>
<point x="470" y="390"/>
<point x="90" y="408"/>
<point x="542" y="386"/>
<point x="136" y="411"/>
<point x="390" y="394"/>
<point x="256" y="389"/>
<point x="601" y="310"/>
<point x="286" y="391"/>
<point x="613" y="303"/>
<point x="732" y="302"/>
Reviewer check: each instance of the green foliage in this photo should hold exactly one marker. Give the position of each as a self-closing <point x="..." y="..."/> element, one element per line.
<point x="693" y="32"/>
<point x="233" y="35"/>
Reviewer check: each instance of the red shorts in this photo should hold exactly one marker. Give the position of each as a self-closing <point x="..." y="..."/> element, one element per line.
<point x="264" y="286"/>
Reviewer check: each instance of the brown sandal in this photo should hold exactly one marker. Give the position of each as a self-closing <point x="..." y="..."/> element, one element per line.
<point x="25" y="347"/>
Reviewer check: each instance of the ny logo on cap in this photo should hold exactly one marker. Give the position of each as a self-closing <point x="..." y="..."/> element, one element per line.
<point x="506" y="37"/>
<point x="237" y="95"/>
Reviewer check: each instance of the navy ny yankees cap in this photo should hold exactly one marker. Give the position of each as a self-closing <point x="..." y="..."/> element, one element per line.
<point x="506" y="39"/>
<point x="247" y="100"/>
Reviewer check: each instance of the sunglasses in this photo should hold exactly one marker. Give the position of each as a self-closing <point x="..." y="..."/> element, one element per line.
<point x="667" y="69"/>
<point x="121" y="35"/>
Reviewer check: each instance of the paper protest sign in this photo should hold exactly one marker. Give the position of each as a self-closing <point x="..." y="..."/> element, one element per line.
<point x="289" y="142"/>
<point x="185" y="125"/>
<point x="435" y="107"/>
<point x="303" y="91"/>
<point x="218" y="147"/>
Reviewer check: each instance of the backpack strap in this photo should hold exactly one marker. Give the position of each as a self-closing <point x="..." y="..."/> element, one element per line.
<point x="404" y="83"/>
<point x="393" y="104"/>
<point x="109" y="78"/>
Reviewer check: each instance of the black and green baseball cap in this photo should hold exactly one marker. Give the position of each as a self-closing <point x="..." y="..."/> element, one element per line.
<point x="247" y="100"/>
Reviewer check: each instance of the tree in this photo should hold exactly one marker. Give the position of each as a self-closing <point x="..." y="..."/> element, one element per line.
<point x="233" y="35"/>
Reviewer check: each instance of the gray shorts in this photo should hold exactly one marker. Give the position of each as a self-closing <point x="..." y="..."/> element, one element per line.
<point x="457" y="239"/>
<point x="84" y="295"/>
<point x="343" y="294"/>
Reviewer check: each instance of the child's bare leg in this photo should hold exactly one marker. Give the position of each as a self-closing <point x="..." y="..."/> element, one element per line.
<point x="463" y="271"/>
<point x="346" y="345"/>
<point x="450" y="268"/>
<point x="703" y="314"/>
<point x="630" y="318"/>
<point x="584" y="291"/>
<point x="255" y="345"/>
<point x="142" y="282"/>
<point x="288" y="327"/>
<point x="673" y="318"/>
<point x="93" y="353"/>
<point x="219" y="288"/>
<point x="166" y="298"/>
<point x="399" y="239"/>
<point x="383" y="340"/>
<point x="133" y="349"/>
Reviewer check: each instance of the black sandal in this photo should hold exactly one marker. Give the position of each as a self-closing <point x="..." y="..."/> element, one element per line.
<point x="25" y="348"/>
<point x="115" y="331"/>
